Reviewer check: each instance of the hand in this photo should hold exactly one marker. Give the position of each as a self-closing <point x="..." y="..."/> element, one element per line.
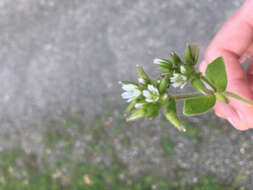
<point x="234" y="42"/>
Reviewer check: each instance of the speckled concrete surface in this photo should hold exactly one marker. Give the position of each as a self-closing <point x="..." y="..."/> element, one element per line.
<point x="59" y="55"/>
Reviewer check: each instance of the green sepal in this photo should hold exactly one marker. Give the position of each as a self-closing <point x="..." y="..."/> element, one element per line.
<point x="151" y="109"/>
<point x="199" y="105"/>
<point x="163" y="69"/>
<point x="130" y="107"/>
<point x="176" y="59"/>
<point x="191" y="54"/>
<point x="163" y="86"/>
<point x="171" y="115"/>
<point x="137" y="115"/>
<point x="199" y="86"/>
<point x="166" y="63"/>
<point x="221" y="98"/>
<point x="142" y="73"/>
<point x="128" y="82"/>
<point x="216" y="74"/>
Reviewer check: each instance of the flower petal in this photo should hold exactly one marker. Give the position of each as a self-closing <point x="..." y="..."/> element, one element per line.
<point x="146" y="93"/>
<point x="157" y="61"/>
<point x="149" y="100"/>
<point x="126" y="95"/>
<point x="128" y="87"/>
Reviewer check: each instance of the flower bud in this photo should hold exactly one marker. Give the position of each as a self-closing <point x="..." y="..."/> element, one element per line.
<point x="136" y="115"/>
<point x="176" y="59"/>
<point x="171" y="115"/>
<point x="191" y="54"/>
<point x="163" y="86"/>
<point x="142" y="73"/>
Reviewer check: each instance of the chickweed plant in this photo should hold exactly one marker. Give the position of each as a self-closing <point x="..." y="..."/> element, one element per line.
<point x="148" y="97"/>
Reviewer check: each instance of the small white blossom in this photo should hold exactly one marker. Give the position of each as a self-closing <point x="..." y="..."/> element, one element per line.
<point x="178" y="80"/>
<point x="131" y="93"/>
<point x="158" y="61"/>
<point x="182" y="69"/>
<point x="152" y="94"/>
<point x="138" y="105"/>
<point x="141" y="80"/>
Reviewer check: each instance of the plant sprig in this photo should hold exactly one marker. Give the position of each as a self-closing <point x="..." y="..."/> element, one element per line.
<point x="149" y="96"/>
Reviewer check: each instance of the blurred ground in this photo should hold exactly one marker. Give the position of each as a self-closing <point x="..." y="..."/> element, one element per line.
<point x="61" y="62"/>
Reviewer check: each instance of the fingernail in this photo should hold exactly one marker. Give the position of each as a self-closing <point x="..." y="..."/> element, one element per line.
<point x="240" y="115"/>
<point x="231" y="121"/>
<point x="219" y="114"/>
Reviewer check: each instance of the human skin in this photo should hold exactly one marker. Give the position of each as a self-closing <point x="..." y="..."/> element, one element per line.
<point x="234" y="42"/>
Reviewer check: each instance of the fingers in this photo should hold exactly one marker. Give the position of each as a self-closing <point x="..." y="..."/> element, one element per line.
<point x="231" y="42"/>
<point x="228" y="112"/>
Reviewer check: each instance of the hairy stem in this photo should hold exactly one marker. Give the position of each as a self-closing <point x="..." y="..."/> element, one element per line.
<point x="207" y="82"/>
<point x="187" y="96"/>
<point x="231" y="94"/>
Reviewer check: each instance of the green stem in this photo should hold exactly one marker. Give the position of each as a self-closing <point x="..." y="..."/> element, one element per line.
<point x="231" y="94"/>
<point x="207" y="82"/>
<point x="187" y="96"/>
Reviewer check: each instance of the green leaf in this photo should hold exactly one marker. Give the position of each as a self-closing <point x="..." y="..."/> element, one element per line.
<point x="216" y="74"/>
<point x="191" y="54"/>
<point x="171" y="115"/>
<point x="199" y="104"/>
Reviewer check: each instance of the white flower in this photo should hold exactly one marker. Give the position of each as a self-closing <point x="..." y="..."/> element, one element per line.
<point x="141" y="80"/>
<point x="131" y="93"/>
<point x="138" y="105"/>
<point x="178" y="80"/>
<point x="152" y="94"/>
<point x="182" y="69"/>
<point x="159" y="61"/>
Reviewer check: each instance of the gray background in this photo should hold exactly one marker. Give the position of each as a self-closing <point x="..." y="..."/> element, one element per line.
<point x="63" y="55"/>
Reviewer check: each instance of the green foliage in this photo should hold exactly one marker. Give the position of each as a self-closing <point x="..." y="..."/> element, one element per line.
<point x="198" y="105"/>
<point x="171" y="115"/>
<point x="150" y="96"/>
<point x="167" y="146"/>
<point x="85" y="176"/>
<point x="191" y="54"/>
<point x="216" y="73"/>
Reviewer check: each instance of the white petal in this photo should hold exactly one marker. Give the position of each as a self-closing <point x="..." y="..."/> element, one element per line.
<point x="175" y="75"/>
<point x="151" y="88"/>
<point x="136" y="93"/>
<point x="130" y="99"/>
<point x="138" y="105"/>
<point x="148" y="100"/>
<point x="126" y="95"/>
<point x="184" y="78"/>
<point x="157" y="61"/>
<point x="146" y="93"/>
<point x="128" y="87"/>
<point x="175" y="85"/>
<point x="182" y="86"/>
<point x="141" y="80"/>
<point x="182" y="69"/>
